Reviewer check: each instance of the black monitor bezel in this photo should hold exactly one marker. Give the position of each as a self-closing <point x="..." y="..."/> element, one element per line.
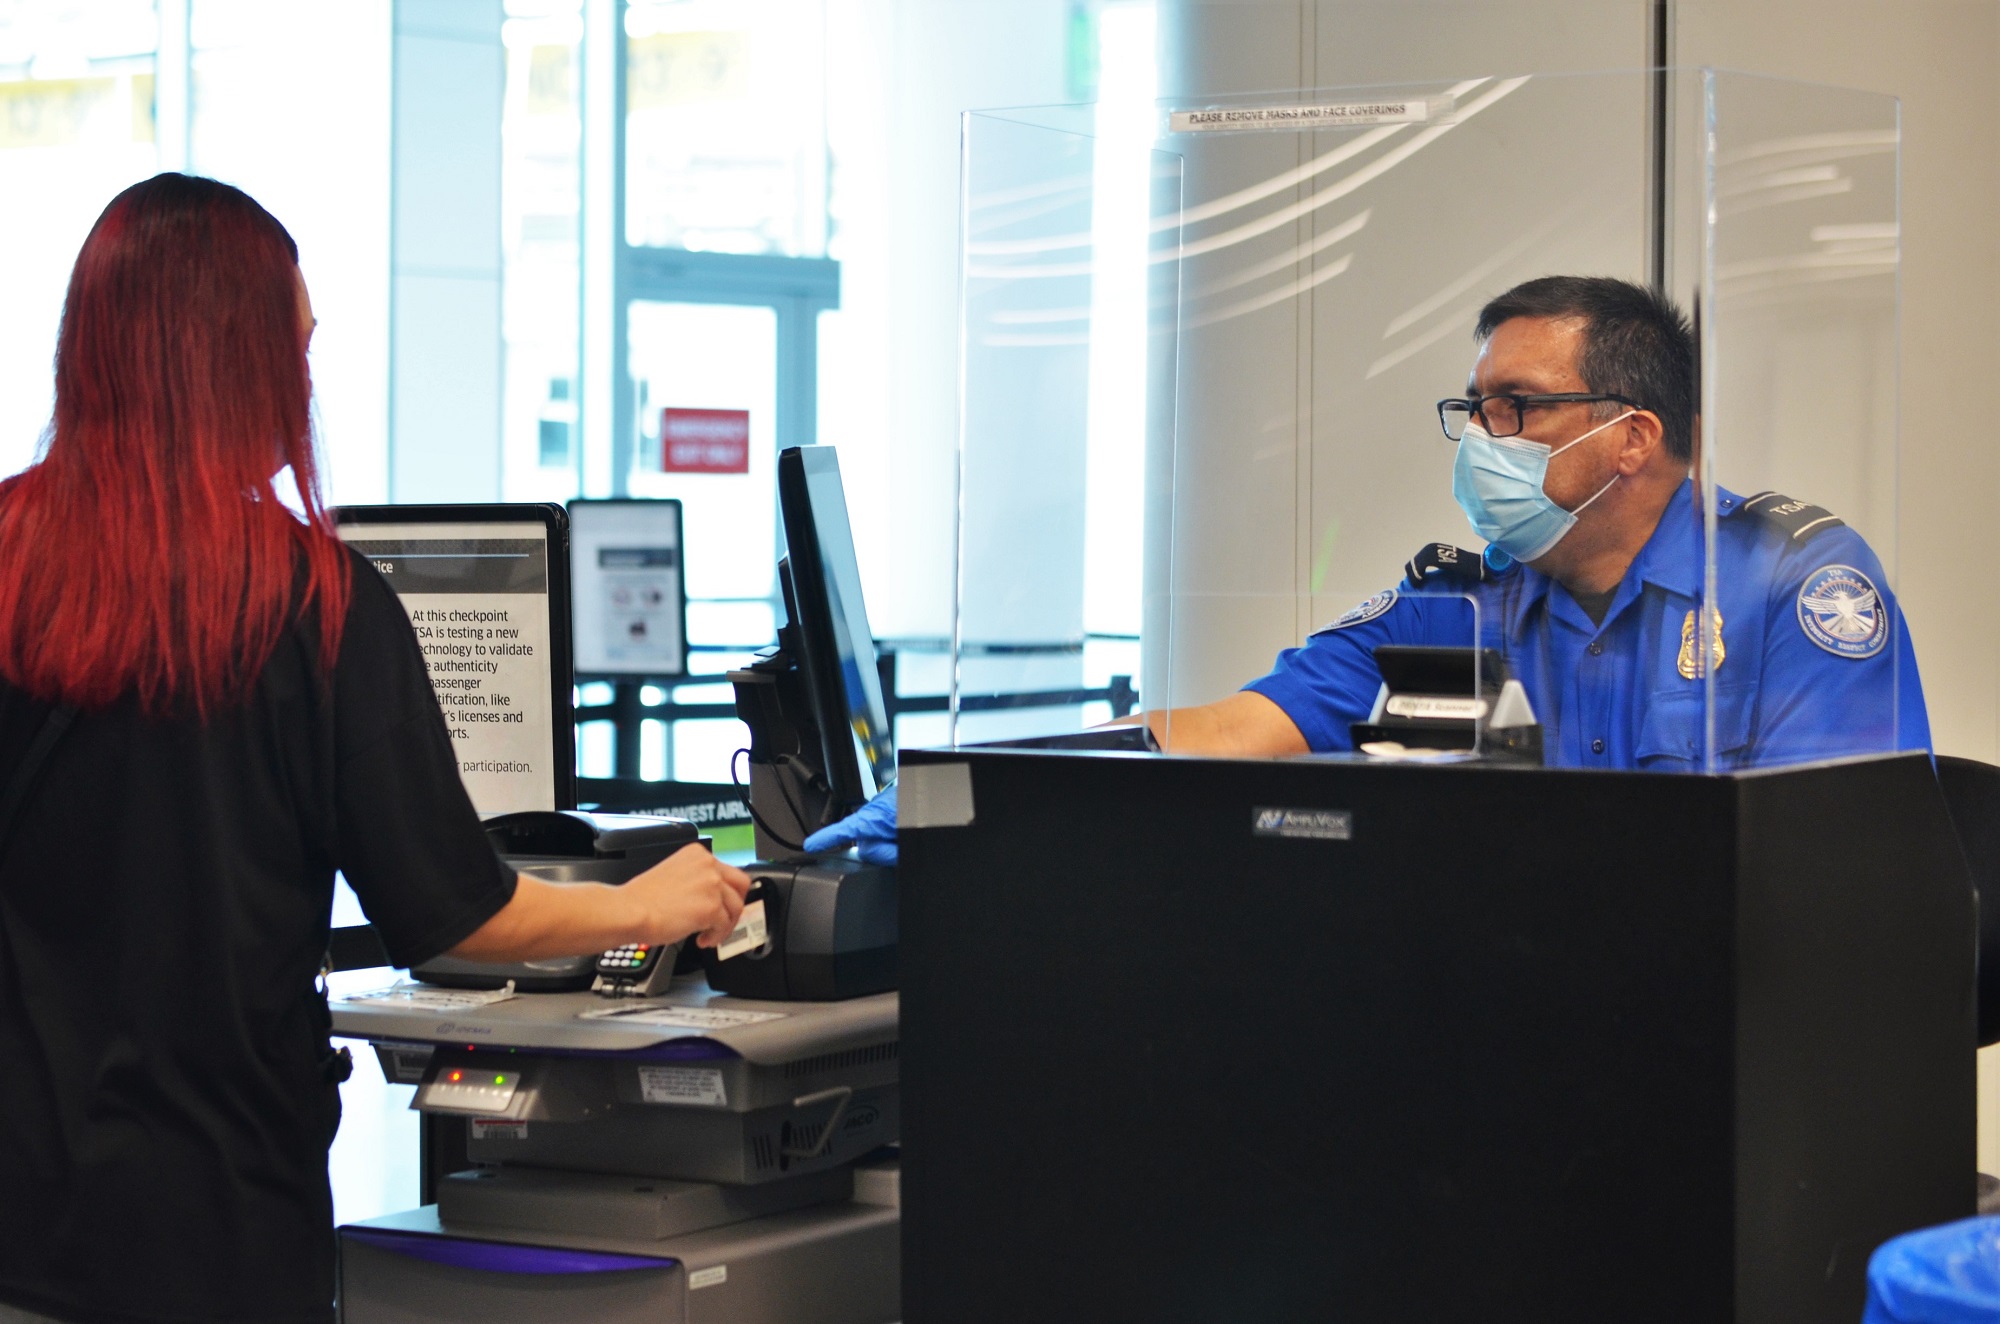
<point x="562" y="676"/>
<point x="680" y="523"/>
<point x="819" y="660"/>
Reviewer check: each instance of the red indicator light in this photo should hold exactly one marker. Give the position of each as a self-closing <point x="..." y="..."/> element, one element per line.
<point x="458" y="1075"/>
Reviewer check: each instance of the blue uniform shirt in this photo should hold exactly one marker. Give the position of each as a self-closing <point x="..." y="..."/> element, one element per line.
<point x="1816" y="660"/>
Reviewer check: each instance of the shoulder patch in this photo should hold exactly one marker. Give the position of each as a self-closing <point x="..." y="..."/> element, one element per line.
<point x="1841" y="611"/>
<point x="1442" y="561"/>
<point x="1366" y="611"/>
<point x="1796" y="519"/>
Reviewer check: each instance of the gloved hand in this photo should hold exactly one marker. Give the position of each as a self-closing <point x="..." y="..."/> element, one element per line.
<point x="871" y="827"/>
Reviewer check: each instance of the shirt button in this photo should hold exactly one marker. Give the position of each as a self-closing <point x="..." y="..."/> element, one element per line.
<point x="1597" y="746"/>
<point x="1596" y="649"/>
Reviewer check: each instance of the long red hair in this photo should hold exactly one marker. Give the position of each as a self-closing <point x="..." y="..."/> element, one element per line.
<point x="147" y="552"/>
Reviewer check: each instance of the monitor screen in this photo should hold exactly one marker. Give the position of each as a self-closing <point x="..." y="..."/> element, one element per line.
<point x="628" y="597"/>
<point x="486" y="588"/>
<point x="831" y="624"/>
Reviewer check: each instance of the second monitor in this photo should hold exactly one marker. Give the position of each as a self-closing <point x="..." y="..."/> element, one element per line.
<point x="630" y="588"/>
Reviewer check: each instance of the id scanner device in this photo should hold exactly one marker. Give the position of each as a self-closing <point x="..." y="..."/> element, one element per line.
<point x="563" y="846"/>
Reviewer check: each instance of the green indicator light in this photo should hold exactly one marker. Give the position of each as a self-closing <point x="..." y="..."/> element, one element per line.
<point x="499" y="1080"/>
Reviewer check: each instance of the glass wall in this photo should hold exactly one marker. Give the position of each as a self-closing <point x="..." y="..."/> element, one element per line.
<point x="758" y="144"/>
<point x="725" y="136"/>
<point x="76" y="125"/>
<point x="541" y="138"/>
<point x="289" y="102"/>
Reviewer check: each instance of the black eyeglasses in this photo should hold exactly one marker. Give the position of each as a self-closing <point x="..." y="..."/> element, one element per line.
<point x="1501" y="415"/>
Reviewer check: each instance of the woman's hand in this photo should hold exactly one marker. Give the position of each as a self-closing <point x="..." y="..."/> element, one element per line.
<point x="688" y="893"/>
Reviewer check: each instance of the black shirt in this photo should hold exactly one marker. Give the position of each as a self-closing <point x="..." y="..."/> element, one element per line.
<point x="165" y="1110"/>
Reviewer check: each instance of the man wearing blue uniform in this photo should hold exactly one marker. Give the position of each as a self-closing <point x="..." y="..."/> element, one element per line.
<point x="1575" y="441"/>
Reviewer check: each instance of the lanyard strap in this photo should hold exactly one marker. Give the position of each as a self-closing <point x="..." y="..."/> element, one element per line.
<point x="45" y="740"/>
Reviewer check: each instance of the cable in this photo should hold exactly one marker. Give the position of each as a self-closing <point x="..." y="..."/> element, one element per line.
<point x="758" y="818"/>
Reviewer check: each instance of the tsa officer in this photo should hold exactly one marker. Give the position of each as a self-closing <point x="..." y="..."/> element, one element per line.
<point x="1575" y="440"/>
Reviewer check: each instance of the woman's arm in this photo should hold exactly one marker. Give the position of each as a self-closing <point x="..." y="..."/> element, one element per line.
<point x="688" y="893"/>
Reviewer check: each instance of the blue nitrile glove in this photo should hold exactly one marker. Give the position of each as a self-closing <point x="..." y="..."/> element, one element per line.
<point x="871" y="827"/>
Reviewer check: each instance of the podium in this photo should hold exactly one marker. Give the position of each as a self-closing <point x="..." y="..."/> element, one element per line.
<point x="1193" y="1039"/>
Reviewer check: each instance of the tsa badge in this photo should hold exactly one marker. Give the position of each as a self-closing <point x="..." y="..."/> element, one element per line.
<point x="1367" y="611"/>
<point x="1841" y="611"/>
<point x="1690" y="663"/>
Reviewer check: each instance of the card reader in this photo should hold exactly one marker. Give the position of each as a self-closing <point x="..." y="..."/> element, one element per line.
<point x="563" y="846"/>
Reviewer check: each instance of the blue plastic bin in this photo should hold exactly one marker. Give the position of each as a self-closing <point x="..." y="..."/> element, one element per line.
<point x="1939" y="1275"/>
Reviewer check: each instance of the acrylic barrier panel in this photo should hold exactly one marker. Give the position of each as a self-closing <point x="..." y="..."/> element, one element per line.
<point x="1799" y="284"/>
<point x="1337" y="248"/>
<point x="1067" y="341"/>
<point x="1331" y="254"/>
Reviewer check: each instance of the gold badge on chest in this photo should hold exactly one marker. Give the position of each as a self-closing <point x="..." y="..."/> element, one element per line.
<point x="1690" y="659"/>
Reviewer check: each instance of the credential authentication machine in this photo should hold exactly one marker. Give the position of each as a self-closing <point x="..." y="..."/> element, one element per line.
<point x="662" y="1134"/>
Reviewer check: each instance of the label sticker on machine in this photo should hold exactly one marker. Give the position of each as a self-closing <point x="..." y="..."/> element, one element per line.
<point x="432" y="999"/>
<point x="497" y="1128"/>
<point x="698" y="1085"/>
<point x="752" y="931"/>
<point x="1303" y="824"/>
<point x="1436" y="706"/>
<point x="680" y="1018"/>
<point x="715" y="1275"/>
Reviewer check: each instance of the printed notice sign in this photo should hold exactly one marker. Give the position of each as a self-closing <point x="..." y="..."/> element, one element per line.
<point x="478" y="598"/>
<point x="1324" y="115"/>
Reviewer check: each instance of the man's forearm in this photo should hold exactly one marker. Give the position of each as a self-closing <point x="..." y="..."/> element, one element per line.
<point x="1246" y="724"/>
<point x="550" y="919"/>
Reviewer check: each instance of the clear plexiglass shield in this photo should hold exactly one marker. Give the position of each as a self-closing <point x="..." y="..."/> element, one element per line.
<point x="1206" y="474"/>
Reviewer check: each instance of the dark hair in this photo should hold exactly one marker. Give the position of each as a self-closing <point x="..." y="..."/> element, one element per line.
<point x="150" y="552"/>
<point x="1636" y="343"/>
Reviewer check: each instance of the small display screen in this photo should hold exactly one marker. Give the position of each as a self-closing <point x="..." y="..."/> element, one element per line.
<point x="629" y="599"/>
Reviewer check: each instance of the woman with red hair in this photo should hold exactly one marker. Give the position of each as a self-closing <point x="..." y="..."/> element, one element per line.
<point x="207" y="706"/>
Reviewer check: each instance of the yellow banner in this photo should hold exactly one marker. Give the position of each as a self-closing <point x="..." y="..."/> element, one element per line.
<point x="675" y="68"/>
<point x="549" y="80"/>
<point x="145" y="117"/>
<point x="50" y="112"/>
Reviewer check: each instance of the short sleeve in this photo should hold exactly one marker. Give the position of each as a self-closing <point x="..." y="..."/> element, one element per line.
<point x="1332" y="682"/>
<point x="1840" y="674"/>
<point x="407" y="837"/>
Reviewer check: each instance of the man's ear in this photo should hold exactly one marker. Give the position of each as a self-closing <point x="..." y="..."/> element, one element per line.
<point x="1644" y="438"/>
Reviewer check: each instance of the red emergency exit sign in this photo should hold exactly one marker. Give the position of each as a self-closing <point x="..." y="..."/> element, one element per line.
<point x="705" y="441"/>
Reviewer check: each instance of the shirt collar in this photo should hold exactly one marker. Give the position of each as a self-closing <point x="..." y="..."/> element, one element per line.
<point x="1671" y="559"/>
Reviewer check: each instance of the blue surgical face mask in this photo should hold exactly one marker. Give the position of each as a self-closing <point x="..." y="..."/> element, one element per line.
<point x="1498" y="484"/>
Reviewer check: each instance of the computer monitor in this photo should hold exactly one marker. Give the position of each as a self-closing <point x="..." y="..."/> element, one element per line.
<point x="487" y="590"/>
<point x="830" y="624"/>
<point x="629" y="598"/>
